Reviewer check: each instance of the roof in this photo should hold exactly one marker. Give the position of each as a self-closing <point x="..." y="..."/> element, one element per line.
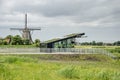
<point x="74" y="35"/>
<point x="51" y="40"/>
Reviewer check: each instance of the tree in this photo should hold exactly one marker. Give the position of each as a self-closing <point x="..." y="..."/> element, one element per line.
<point x="99" y="43"/>
<point x="17" y="40"/>
<point x="93" y="43"/>
<point x="117" y="43"/>
<point x="26" y="42"/>
<point x="4" y="42"/>
<point x="1" y="41"/>
<point x="37" y="42"/>
<point x="9" y="39"/>
<point x="85" y="43"/>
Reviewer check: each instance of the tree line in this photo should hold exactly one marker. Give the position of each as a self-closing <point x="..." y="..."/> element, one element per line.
<point x="116" y="43"/>
<point x="17" y="40"/>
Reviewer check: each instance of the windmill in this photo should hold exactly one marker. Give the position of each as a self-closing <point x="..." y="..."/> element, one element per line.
<point x="26" y="32"/>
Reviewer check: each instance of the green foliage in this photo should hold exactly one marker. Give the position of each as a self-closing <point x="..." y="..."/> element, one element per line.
<point x="4" y="42"/>
<point x="117" y="43"/>
<point x="37" y="42"/>
<point x="17" y="40"/>
<point x="9" y="37"/>
<point x="99" y="43"/>
<point x="93" y="43"/>
<point x="26" y="42"/>
<point x="1" y="41"/>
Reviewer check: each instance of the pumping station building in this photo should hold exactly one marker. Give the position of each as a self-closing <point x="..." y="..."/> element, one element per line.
<point x="66" y="42"/>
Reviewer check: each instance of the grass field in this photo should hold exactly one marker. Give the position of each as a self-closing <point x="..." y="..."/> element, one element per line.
<point x="113" y="49"/>
<point x="17" y="46"/>
<point x="23" y="67"/>
<point x="60" y="67"/>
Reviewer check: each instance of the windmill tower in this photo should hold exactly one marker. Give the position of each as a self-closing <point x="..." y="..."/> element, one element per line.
<point x="26" y="32"/>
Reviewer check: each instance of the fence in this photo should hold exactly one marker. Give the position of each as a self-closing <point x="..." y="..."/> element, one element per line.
<point x="55" y="51"/>
<point x="19" y="50"/>
<point x="77" y="51"/>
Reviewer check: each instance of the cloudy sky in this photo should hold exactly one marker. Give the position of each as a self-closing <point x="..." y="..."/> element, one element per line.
<point x="99" y="19"/>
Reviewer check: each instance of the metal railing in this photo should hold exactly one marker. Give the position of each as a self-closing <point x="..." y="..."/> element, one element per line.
<point x="77" y="51"/>
<point x="19" y="50"/>
<point x="55" y="51"/>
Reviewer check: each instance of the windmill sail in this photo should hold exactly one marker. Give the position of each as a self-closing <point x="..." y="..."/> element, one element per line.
<point x="26" y="32"/>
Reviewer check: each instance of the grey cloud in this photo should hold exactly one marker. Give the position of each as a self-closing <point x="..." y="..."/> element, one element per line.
<point x="79" y="15"/>
<point x="77" y="11"/>
<point x="55" y="7"/>
<point x="99" y="12"/>
<point x="51" y="8"/>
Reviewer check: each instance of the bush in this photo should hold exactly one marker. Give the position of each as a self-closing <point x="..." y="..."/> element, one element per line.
<point x="37" y="43"/>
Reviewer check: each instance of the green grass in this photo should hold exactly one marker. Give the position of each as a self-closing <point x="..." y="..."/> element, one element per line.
<point x="113" y="49"/>
<point x="28" y="68"/>
<point x="17" y="46"/>
<point x="68" y="57"/>
<point x="89" y="46"/>
<point x="60" y="67"/>
<point x="69" y="72"/>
